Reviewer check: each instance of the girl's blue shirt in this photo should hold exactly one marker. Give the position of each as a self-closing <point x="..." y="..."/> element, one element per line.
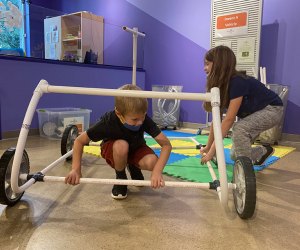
<point x="256" y="95"/>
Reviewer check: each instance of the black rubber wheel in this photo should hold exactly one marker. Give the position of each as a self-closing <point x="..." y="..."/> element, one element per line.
<point x="245" y="193"/>
<point x="7" y="196"/>
<point x="67" y="141"/>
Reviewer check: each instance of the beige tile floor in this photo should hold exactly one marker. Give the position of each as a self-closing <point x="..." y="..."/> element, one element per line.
<point x="56" y="216"/>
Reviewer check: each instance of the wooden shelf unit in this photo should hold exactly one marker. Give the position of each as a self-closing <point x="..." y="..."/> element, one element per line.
<point x="69" y="37"/>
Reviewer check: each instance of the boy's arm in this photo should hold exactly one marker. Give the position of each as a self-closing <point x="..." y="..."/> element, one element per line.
<point x="74" y="176"/>
<point x="166" y="149"/>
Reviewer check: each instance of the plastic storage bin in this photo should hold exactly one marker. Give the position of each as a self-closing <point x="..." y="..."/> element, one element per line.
<point x="166" y="111"/>
<point x="53" y="121"/>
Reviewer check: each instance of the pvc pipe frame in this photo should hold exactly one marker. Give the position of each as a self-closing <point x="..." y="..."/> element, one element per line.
<point x="44" y="87"/>
<point x="135" y="34"/>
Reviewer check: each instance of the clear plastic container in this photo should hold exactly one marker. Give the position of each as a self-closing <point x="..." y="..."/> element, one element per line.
<point x="273" y="135"/>
<point x="166" y="111"/>
<point x="53" y="121"/>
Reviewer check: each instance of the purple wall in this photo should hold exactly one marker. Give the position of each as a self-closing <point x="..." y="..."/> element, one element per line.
<point x="20" y="78"/>
<point x="280" y="53"/>
<point x="171" y="58"/>
<point x="53" y="4"/>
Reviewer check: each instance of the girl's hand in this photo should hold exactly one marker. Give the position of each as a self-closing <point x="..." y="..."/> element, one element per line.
<point x="204" y="150"/>
<point x="207" y="157"/>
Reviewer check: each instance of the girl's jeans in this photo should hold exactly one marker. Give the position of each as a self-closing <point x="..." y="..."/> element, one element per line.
<point x="246" y="130"/>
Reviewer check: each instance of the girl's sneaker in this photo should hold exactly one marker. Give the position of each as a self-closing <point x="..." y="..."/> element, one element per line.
<point x="269" y="152"/>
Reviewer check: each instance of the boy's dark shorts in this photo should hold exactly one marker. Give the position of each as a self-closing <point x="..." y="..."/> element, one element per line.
<point x="133" y="157"/>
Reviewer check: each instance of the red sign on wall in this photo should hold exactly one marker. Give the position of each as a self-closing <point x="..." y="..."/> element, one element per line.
<point x="233" y="24"/>
<point x="232" y="20"/>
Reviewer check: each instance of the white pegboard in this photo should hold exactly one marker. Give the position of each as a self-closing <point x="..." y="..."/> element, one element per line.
<point x="237" y="24"/>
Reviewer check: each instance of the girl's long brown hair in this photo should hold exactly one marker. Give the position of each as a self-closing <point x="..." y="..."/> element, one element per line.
<point x="223" y="68"/>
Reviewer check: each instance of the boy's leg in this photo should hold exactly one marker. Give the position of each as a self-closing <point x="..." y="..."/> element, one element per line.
<point x="246" y="130"/>
<point x="135" y="172"/>
<point x="119" y="192"/>
<point x="115" y="153"/>
<point x="143" y="158"/>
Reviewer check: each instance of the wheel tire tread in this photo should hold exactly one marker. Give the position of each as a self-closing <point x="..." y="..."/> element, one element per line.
<point x="250" y="180"/>
<point x="4" y="161"/>
<point x="64" y="140"/>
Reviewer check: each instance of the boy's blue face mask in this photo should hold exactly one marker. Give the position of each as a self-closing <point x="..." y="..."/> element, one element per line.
<point x="128" y="126"/>
<point x="132" y="127"/>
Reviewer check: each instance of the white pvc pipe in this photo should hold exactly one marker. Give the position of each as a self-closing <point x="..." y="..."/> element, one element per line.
<point x="218" y="138"/>
<point x="182" y="184"/>
<point x="135" y="34"/>
<point x="129" y="182"/>
<point x="50" y="166"/>
<point x="194" y="140"/>
<point x="37" y="94"/>
<point x="44" y="87"/>
<point x="177" y="137"/>
<point x="211" y="171"/>
<point x="213" y="176"/>
<point x="176" y="147"/>
<point x="261" y="75"/>
<point x="133" y="31"/>
<point x="58" y="161"/>
<point x="127" y="93"/>
<point x="134" y="56"/>
<point x="265" y="75"/>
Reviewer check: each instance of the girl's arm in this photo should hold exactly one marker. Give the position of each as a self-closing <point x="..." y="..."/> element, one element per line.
<point x="234" y="106"/>
<point x="227" y="123"/>
<point x="211" y="136"/>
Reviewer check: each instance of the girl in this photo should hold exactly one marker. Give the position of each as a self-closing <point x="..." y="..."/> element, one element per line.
<point x="257" y="107"/>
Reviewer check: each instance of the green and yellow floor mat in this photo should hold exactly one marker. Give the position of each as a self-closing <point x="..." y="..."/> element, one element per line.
<point x="185" y="163"/>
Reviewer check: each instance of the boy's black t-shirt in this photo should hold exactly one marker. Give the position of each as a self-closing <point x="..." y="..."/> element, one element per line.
<point x="110" y="128"/>
<point x="256" y="95"/>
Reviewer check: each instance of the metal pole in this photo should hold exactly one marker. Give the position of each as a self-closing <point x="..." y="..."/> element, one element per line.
<point x="135" y="34"/>
<point x="134" y="55"/>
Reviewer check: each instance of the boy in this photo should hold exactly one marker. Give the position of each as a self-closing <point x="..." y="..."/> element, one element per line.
<point x="122" y="135"/>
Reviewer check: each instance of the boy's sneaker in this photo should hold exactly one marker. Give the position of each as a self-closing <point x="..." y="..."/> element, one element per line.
<point x="269" y="152"/>
<point x="135" y="173"/>
<point x="119" y="192"/>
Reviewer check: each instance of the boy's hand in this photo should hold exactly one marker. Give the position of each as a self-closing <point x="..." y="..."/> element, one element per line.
<point x="73" y="178"/>
<point x="157" y="180"/>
